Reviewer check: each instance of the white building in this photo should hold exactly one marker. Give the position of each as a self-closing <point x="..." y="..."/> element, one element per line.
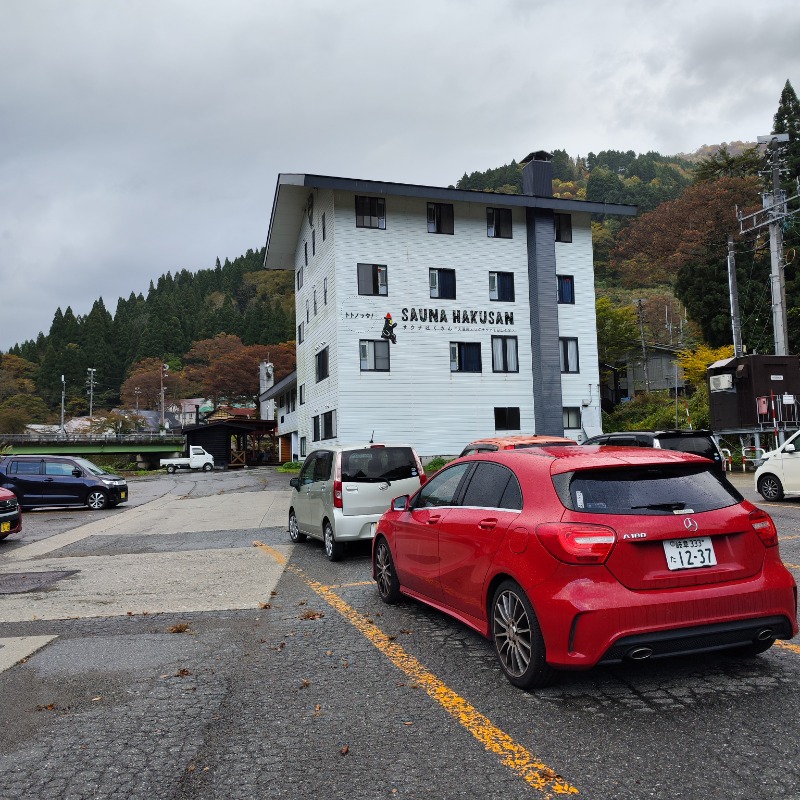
<point x="491" y="303"/>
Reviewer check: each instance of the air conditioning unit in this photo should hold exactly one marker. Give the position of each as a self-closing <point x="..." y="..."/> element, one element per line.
<point x="721" y="383"/>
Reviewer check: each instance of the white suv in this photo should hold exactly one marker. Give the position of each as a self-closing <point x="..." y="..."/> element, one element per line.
<point x="342" y="492"/>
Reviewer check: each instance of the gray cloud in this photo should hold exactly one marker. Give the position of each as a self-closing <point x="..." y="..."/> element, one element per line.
<point x="146" y="136"/>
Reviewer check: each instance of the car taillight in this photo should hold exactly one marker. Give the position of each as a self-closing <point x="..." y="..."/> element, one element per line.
<point x="337" y="494"/>
<point x="765" y="528"/>
<point x="577" y="543"/>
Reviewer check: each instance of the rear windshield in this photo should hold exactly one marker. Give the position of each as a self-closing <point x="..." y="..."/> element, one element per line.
<point x="700" y="445"/>
<point x="378" y="464"/>
<point x="653" y="490"/>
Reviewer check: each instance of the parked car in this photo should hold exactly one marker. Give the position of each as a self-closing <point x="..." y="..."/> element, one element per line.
<point x="778" y="471"/>
<point x="342" y="491"/>
<point x="569" y="557"/>
<point x="61" y="481"/>
<point x="493" y="443"/>
<point x="700" y="442"/>
<point x="10" y="515"/>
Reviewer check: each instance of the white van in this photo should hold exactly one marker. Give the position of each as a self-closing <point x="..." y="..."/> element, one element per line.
<point x="342" y="491"/>
<point x="778" y="473"/>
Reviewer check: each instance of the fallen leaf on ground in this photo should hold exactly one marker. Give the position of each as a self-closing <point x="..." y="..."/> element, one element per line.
<point x="345" y="750"/>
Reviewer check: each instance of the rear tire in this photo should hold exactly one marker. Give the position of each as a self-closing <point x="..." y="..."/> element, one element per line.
<point x="333" y="549"/>
<point x="207" y="467"/>
<point x="294" y="532"/>
<point x="518" y="641"/>
<point x="770" y="487"/>
<point x="170" y="468"/>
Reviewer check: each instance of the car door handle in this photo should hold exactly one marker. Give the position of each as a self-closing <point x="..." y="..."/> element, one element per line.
<point x="48" y="480"/>
<point x="487" y="524"/>
<point x="434" y="519"/>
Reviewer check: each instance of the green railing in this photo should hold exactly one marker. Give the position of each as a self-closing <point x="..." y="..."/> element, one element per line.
<point x="84" y="444"/>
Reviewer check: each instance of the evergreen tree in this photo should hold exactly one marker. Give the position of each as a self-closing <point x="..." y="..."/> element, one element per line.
<point x="787" y="120"/>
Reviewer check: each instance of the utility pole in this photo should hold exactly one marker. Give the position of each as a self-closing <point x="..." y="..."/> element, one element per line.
<point x="644" y="348"/>
<point x="734" y="292"/>
<point x="63" y="432"/>
<point x="91" y="371"/>
<point x="773" y="213"/>
<point x="164" y="374"/>
<point x="137" y="391"/>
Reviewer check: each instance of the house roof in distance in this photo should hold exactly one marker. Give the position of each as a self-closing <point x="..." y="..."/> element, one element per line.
<point x="292" y="194"/>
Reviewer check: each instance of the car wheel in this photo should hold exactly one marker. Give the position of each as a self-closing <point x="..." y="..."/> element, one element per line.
<point x="294" y="531"/>
<point x="770" y="488"/>
<point x="518" y="641"/>
<point x="97" y="499"/>
<point x="333" y="549"/>
<point x="207" y="467"/>
<point x="385" y="574"/>
<point x="170" y="468"/>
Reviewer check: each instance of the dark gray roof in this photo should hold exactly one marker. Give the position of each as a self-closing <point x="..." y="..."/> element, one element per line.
<point x="281" y="386"/>
<point x="292" y="190"/>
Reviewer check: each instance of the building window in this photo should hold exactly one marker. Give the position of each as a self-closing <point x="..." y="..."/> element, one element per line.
<point x="324" y="426"/>
<point x="323" y="228"/>
<point x="315" y="301"/>
<point x="501" y="286"/>
<point x="566" y="289"/>
<point x="504" y="354"/>
<point x="372" y="279"/>
<point x="440" y="218"/>
<point x="292" y="401"/>
<point x="572" y="416"/>
<point x="300" y="278"/>
<point x="325" y="291"/>
<point x="465" y="357"/>
<point x="443" y="283"/>
<point x="302" y="447"/>
<point x="498" y="223"/>
<point x="568" y="352"/>
<point x="302" y="393"/>
<point x="563" y="223"/>
<point x="301" y="329"/>
<point x="374" y="354"/>
<point x="305" y="252"/>
<point x="322" y="364"/>
<point x="308" y="313"/>
<point x="313" y="242"/>
<point x="370" y="212"/>
<point x="506" y="419"/>
<point x="281" y="401"/>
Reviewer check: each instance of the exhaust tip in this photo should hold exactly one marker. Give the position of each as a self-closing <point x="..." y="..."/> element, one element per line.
<point x="640" y="653"/>
<point x="765" y="635"/>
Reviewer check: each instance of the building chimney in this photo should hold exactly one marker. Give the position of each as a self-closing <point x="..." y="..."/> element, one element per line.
<point x="537" y="174"/>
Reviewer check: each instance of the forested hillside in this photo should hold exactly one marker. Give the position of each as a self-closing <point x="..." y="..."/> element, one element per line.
<point x="668" y="264"/>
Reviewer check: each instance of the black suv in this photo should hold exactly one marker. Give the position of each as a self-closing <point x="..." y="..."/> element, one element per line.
<point x="700" y="442"/>
<point x="61" y="481"/>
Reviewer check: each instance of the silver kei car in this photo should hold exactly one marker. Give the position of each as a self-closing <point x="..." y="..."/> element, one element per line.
<point x="342" y="491"/>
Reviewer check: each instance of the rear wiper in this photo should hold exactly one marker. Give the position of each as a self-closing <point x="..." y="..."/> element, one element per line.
<point x="663" y="506"/>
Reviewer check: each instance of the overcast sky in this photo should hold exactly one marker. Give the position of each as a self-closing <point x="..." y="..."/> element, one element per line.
<point x="139" y="137"/>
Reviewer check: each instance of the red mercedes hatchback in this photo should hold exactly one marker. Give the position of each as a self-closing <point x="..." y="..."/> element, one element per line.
<point x="568" y="557"/>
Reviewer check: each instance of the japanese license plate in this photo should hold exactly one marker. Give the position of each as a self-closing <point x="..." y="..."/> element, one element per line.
<point x="123" y="495"/>
<point x="5" y="527"/>
<point x="690" y="553"/>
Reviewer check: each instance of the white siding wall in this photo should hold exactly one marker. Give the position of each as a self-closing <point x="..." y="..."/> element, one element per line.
<point x="581" y="390"/>
<point x="420" y="401"/>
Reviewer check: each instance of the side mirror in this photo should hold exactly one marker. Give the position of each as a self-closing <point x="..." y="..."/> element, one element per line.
<point x="789" y="448"/>
<point x="295" y="482"/>
<point x="400" y="503"/>
<point x="77" y="473"/>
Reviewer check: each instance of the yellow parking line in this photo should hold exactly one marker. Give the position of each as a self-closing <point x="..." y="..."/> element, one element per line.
<point x="787" y="645"/>
<point x="513" y="755"/>
<point x="351" y="585"/>
<point x="791" y="566"/>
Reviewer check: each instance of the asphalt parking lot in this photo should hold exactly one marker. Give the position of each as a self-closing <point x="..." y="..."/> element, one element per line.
<point x="185" y="649"/>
